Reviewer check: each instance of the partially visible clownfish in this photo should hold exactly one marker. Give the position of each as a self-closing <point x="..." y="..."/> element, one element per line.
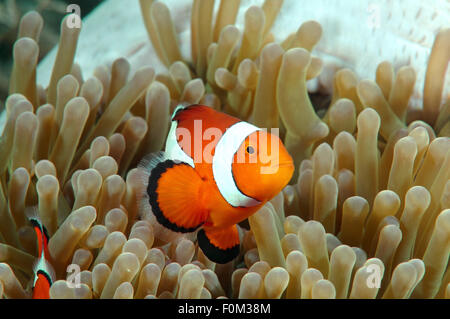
<point x="44" y="274"/>
<point x="187" y="189"/>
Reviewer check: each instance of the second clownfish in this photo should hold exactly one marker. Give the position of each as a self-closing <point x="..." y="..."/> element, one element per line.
<point x="44" y="274"/>
<point x="215" y="172"/>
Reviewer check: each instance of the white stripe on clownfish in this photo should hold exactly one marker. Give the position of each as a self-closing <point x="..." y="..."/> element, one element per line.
<point x="225" y="150"/>
<point x="42" y="265"/>
<point x="173" y="148"/>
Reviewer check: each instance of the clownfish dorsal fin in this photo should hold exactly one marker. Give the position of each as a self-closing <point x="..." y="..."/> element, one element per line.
<point x="220" y="246"/>
<point x="179" y="108"/>
<point x="172" y="189"/>
<point x="193" y="110"/>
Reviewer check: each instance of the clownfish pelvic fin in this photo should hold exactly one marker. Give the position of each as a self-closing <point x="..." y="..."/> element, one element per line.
<point x="219" y="245"/>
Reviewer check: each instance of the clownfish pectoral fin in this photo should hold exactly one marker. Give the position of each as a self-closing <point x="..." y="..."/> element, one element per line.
<point x="173" y="192"/>
<point x="220" y="246"/>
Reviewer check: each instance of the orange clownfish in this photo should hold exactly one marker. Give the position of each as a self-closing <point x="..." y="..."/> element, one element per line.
<point x="215" y="172"/>
<point x="44" y="274"/>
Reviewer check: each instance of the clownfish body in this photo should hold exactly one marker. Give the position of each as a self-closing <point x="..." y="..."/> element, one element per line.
<point x="44" y="275"/>
<point x="215" y="172"/>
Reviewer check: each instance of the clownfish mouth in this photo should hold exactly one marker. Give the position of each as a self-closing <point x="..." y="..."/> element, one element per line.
<point x="286" y="164"/>
<point x="274" y="168"/>
<point x="282" y="164"/>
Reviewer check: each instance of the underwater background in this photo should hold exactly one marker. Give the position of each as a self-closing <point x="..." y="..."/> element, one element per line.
<point x="10" y="13"/>
<point x="367" y="213"/>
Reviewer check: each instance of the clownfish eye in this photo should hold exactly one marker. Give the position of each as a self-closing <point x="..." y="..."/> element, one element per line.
<point x="250" y="149"/>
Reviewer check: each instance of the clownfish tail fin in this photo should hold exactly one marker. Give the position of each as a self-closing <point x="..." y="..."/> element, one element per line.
<point x="220" y="246"/>
<point x="150" y="161"/>
<point x="171" y="188"/>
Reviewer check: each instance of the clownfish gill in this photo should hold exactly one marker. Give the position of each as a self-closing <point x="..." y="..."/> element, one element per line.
<point x="213" y="183"/>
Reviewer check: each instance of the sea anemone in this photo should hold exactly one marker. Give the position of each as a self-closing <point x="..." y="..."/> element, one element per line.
<point x="370" y="196"/>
